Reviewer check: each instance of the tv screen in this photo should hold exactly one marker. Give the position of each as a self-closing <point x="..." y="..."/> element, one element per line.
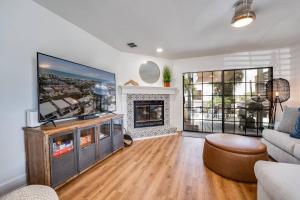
<point x="67" y="89"/>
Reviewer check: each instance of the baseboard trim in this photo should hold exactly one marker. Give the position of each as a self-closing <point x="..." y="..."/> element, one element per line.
<point x="12" y="184"/>
<point x="155" y="136"/>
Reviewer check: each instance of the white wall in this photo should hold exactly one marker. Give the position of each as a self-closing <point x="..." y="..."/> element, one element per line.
<point x="285" y="62"/>
<point x="128" y="68"/>
<point x="25" y="29"/>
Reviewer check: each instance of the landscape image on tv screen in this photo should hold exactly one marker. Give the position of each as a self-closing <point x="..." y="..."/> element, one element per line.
<point x="68" y="89"/>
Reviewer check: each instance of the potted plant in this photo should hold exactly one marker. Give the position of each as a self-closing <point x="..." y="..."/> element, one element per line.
<point x="166" y="76"/>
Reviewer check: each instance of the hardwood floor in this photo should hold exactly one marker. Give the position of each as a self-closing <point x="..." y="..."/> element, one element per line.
<point x="163" y="168"/>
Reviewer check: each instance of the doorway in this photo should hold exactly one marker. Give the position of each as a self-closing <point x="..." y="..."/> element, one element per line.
<point x="230" y="101"/>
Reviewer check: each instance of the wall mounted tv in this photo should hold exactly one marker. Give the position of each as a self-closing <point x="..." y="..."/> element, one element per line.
<point x="67" y="89"/>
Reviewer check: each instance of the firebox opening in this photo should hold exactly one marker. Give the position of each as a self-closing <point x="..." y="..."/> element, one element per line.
<point x="148" y="113"/>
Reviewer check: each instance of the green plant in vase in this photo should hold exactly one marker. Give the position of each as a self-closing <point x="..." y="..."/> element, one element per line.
<point x="166" y="76"/>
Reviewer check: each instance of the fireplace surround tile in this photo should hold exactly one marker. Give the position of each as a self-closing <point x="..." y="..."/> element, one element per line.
<point x="148" y="131"/>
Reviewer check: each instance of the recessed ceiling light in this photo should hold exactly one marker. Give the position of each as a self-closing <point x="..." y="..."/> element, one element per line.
<point x="159" y="50"/>
<point x="243" y="15"/>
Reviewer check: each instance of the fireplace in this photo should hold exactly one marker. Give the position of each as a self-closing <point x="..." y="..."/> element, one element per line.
<point x="148" y="113"/>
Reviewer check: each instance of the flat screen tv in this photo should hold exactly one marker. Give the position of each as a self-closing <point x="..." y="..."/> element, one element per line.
<point x="67" y="89"/>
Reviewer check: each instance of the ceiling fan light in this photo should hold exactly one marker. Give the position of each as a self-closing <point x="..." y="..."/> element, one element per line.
<point x="243" y="15"/>
<point x="243" y="20"/>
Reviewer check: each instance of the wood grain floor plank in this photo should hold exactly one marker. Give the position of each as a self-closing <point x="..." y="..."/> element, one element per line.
<point x="167" y="168"/>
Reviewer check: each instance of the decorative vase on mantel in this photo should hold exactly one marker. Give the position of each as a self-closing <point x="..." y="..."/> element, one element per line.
<point x="166" y="76"/>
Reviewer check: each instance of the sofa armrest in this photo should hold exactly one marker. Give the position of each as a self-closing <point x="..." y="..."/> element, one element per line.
<point x="278" y="180"/>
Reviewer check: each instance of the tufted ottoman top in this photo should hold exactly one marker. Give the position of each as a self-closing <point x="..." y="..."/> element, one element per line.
<point x="236" y="143"/>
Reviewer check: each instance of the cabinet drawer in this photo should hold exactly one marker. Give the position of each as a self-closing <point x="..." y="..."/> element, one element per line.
<point x="63" y="168"/>
<point x="63" y="161"/>
<point x="105" y="147"/>
<point x="87" y="157"/>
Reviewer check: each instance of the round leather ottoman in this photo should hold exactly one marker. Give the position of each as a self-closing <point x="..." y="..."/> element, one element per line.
<point x="233" y="156"/>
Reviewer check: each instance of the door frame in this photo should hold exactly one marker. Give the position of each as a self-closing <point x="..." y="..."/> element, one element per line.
<point x="223" y="102"/>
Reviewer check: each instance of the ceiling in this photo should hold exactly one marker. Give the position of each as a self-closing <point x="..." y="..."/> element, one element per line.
<point x="183" y="28"/>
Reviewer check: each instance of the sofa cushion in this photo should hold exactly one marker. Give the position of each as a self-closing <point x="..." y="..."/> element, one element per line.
<point x="288" y="120"/>
<point x="281" y="140"/>
<point x="296" y="132"/>
<point x="297" y="151"/>
<point x="279" y="180"/>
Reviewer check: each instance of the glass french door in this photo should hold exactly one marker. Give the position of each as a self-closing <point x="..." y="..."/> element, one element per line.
<point x="231" y="101"/>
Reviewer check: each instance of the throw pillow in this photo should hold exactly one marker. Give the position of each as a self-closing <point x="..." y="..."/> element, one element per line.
<point x="288" y="121"/>
<point x="296" y="132"/>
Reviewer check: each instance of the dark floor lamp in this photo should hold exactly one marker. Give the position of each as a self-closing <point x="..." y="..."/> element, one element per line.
<point x="278" y="91"/>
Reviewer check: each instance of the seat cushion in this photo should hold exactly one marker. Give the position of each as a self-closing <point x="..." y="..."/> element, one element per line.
<point x="281" y="140"/>
<point x="236" y="143"/>
<point x="297" y="151"/>
<point x="279" y="180"/>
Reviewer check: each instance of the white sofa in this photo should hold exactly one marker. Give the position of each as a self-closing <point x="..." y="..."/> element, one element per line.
<point x="281" y="146"/>
<point x="277" y="181"/>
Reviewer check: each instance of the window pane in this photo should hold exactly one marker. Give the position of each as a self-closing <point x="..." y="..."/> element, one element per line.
<point x="207" y="101"/>
<point x="263" y="75"/>
<point x="197" y="90"/>
<point x="207" y="89"/>
<point x="187" y="113"/>
<point x="217" y="112"/>
<point x="240" y="89"/>
<point x="188" y="125"/>
<point x="256" y="88"/>
<point x="207" y="113"/>
<point x="240" y="115"/>
<point x="217" y="101"/>
<point x="240" y="128"/>
<point x="228" y="76"/>
<point x="197" y="78"/>
<point x="229" y="102"/>
<point x="197" y="125"/>
<point x="207" y="126"/>
<point x="251" y="129"/>
<point x="188" y="78"/>
<point x="229" y="114"/>
<point x="217" y="89"/>
<point x="217" y="76"/>
<point x="240" y="76"/>
<point x="265" y="114"/>
<point x="240" y="101"/>
<point x="207" y="77"/>
<point x="217" y="126"/>
<point x="188" y="101"/>
<point x="229" y="89"/>
<point x="229" y="127"/>
<point x="251" y="75"/>
<point x="188" y="90"/>
<point x="193" y="101"/>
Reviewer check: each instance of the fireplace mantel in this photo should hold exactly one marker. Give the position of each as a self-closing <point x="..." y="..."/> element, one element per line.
<point x="148" y="90"/>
